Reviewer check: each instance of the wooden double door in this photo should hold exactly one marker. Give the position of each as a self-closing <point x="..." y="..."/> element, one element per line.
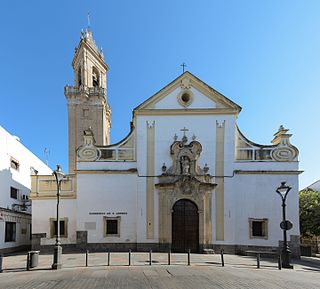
<point x="185" y="226"/>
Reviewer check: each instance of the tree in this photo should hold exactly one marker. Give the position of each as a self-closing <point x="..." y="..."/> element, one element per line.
<point x="309" y="203"/>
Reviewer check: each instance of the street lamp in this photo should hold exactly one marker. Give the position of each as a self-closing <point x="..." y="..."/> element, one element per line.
<point x="285" y="225"/>
<point x="57" y="253"/>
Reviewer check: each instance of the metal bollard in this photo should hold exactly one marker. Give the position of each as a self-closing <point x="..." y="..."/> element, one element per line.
<point x="222" y="259"/>
<point x="188" y="257"/>
<point x="1" y="261"/>
<point x="108" y="258"/>
<point x="258" y="260"/>
<point x="150" y="257"/>
<point x="130" y="257"/>
<point x="28" y="261"/>
<point x="279" y="262"/>
<point x="87" y="255"/>
<point x="169" y="257"/>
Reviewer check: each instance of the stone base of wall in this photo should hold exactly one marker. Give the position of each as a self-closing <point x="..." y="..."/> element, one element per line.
<point x="156" y="247"/>
<point x="82" y="245"/>
<point x="21" y="248"/>
<point x="36" y="241"/>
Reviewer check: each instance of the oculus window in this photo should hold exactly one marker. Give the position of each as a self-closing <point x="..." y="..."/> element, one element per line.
<point x="185" y="97"/>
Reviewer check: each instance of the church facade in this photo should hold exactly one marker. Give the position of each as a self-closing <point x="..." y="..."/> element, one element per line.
<point x="184" y="178"/>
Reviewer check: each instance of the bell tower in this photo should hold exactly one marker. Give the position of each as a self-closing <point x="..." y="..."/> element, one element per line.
<point x="87" y="98"/>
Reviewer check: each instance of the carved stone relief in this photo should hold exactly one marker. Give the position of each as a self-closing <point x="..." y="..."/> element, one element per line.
<point x="88" y="151"/>
<point x="185" y="180"/>
<point x="284" y="150"/>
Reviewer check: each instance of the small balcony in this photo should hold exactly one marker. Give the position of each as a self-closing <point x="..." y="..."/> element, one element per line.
<point x="70" y="91"/>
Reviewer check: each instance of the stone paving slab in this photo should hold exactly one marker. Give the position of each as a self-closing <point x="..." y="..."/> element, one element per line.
<point x="205" y="272"/>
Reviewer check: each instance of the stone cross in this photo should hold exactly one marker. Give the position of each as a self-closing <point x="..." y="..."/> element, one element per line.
<point x="184" y="131"/>
<point x="183" y="66"/>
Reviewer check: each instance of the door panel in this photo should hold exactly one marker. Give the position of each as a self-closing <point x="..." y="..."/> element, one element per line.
<point x="185" y="226"/>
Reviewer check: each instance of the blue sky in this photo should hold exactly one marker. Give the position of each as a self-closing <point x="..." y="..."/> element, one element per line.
<point x="263" y="55"/>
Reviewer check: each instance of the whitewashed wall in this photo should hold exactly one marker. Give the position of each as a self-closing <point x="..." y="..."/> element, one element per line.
<point x="43" y="210"/>
<point x="109" y="194"/>
<point x="245" y="196"/>
<point x="10" y="146"/>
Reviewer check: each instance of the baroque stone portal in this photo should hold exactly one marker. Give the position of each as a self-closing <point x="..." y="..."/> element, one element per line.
<point x="185" y="180"/>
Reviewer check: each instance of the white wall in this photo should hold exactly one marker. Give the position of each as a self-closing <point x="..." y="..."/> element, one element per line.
<point x="20" y="179"/>
<point x="107" y="195"/>
<point x="23" y="222"/>
<point x="254" y="196"/>
<point x="43" y="210"/>
<point x="11" y="147"/>
<point x="203" y="127"/>
<point x="104" y="194"/>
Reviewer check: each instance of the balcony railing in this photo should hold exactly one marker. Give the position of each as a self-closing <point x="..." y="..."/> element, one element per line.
<point x="90" y="91"/>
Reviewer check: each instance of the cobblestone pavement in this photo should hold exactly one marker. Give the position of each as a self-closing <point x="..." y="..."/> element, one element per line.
<point x="205" y="271"/>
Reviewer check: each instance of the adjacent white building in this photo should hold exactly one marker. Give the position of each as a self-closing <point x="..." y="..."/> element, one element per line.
<point x="184" y="178"/>
<point x="17" y="164"/>
<point x="313" y="187"/>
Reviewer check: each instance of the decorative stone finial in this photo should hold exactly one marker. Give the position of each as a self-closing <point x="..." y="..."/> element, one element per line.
<point x="184" y="139"/>
<point x="175" y="137"/>
<point x="101" y="53"/>
<point x="281" y="136"/>
<point x="284" y="151"/>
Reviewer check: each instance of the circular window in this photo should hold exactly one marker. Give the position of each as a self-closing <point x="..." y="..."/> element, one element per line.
<point x="185" y="98"/>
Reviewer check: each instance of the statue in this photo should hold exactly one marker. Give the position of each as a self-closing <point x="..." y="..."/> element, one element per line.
<point x="185" y="165"/>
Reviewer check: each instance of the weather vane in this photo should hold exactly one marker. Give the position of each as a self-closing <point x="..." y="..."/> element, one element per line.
<point x="88" y="20"/>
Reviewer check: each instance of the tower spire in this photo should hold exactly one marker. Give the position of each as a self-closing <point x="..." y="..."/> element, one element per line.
<point x="88" y="21"/>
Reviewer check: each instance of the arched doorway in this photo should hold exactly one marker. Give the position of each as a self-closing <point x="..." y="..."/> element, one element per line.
<point x="185" y="226"/>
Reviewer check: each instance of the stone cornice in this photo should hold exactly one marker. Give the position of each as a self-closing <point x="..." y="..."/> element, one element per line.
<point x="267" y="172"/>
<point x="129" y="171"/>
<point x="187" y="111"/>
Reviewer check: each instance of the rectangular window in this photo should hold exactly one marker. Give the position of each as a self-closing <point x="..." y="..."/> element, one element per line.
<point x="63" y="228"/>
<point x="10" y="234"/>
<point x="112" y="227"/>
<point x="85" y="112"/>
<point x="13" y="193"/>
<point x="258" y="228"/>
<point x="14" y="164"/>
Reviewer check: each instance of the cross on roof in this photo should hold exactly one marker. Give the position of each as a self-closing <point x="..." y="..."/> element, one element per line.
<point x="184" y="131"/>
<point x="183" y="66"/>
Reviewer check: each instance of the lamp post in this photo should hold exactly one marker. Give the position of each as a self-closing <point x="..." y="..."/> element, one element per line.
<point x="57" y="253"/>
<point x="285" y="225"/>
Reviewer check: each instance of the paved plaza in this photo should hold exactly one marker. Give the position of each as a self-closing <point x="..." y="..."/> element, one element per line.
<point x="205" y="271"/>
